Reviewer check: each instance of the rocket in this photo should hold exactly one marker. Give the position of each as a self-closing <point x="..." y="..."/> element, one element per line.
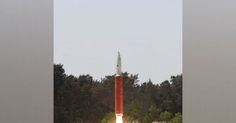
<point x="119" y="109"/>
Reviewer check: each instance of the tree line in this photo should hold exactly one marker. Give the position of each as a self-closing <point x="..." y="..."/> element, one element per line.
<point x="85" y="100"/>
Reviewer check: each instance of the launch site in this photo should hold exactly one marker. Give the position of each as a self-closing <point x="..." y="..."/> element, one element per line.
<point x="118" y="61"/>
<point x="133" y="103"/>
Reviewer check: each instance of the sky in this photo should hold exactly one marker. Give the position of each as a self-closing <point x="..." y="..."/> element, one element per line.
<point x="148" y="33"/>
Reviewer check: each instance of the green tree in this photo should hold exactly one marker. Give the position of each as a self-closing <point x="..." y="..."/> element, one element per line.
<point x="165" y="116"/>
<point x="176" y="84"/>
<point x="152" y="114"/>
<point x="59" y="75"/>
<point x="176" y="119"/>
<point x="83" y="100"/>
<point x="133" y="111"/>
<point x="60" y="114"/>
<point x="166" y="97"/>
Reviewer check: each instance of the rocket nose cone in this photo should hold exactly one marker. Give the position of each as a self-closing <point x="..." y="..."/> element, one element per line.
<point x="118" y="65"/>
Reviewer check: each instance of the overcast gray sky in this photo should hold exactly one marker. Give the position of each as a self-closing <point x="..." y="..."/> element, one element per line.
<point x="148" y="33"/>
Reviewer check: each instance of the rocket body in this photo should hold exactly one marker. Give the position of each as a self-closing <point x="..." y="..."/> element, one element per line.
<point x="119" y="102"/>
<point x="119" y="95"/>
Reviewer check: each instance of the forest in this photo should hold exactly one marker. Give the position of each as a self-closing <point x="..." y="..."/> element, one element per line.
<point x="82" y="99"/>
